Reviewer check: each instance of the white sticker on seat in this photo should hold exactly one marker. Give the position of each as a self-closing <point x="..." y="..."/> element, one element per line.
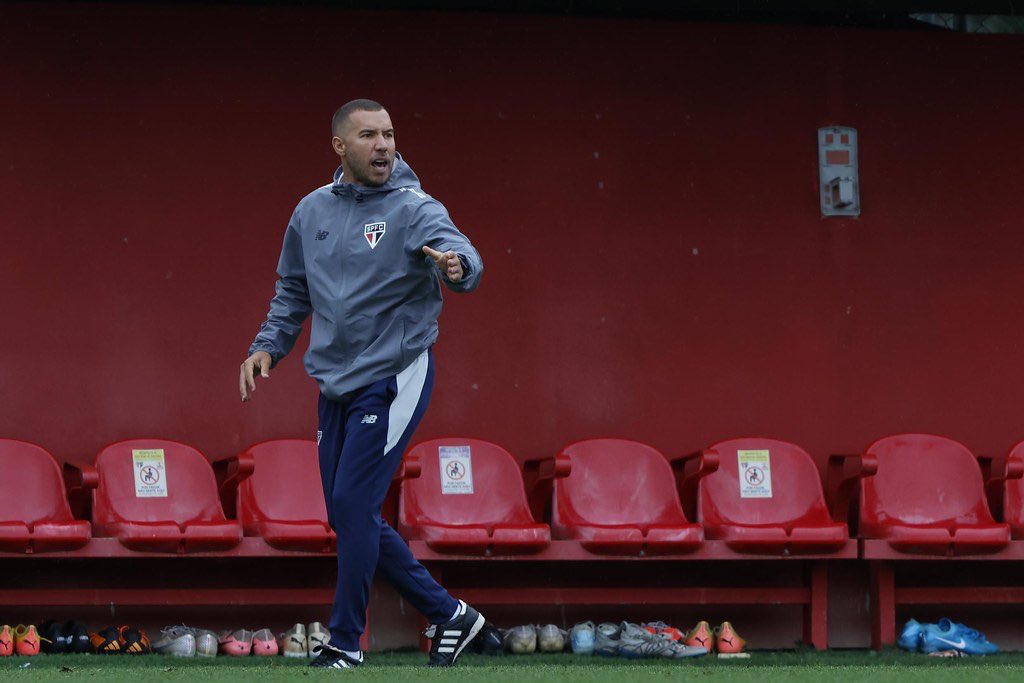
<point x="456" y="469"/>
<point x="150" y="473"/>
<point x="755" y="474"/>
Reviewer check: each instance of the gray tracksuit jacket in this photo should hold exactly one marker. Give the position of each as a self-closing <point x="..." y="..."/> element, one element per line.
<point x="353" y="256"/>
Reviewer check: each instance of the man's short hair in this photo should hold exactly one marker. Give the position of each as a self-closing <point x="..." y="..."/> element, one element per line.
<point x="345" y="110"/>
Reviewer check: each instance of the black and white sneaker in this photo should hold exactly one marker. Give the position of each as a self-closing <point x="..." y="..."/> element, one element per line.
<point x="332" y="658"/>
<point x="448" y="640"/>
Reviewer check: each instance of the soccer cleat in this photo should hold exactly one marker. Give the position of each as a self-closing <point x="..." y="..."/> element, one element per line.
<point x="660" y="628"/>
<point x="910" y="636"/>
<point x="488" y="641"/>
<point x="78" y="634"/>
<point x="58" y="639"/>
<point x="236" y="643"/>
<point x="948" y="635"/>
<point x="26" y="640"/>
<point x="55" y="642"/>
<point x="316" y="635"/>
<point x="292" y="643"/>
<point x="6" y="641"/>
<point x="636" y="642"/>
<point x="550" y="638"/>
<point x="179" y="641"/>
<point x="264" y="644"/>
<point x="106" y="642"/>
<point x="727" y="641"/>
<point x="206" y="642"/>
<point x="581" y="638"/>
<point x="451" y="637"/>
<point x="521" y="640"/>
<point x="606" y="639"/>
<point x="701" y="636"/>
<point x="681" y="650"/>
<point x="328" y="657"/>
<point x="133" y="641"/>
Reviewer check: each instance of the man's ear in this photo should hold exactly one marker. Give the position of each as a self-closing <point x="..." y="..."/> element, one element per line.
<point x="339" y="146"/>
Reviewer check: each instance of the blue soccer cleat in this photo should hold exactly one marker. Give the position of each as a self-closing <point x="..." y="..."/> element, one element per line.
<point x="948" y="635"/>
<point x="581" y="638"/>
<point x="910" y="637"/>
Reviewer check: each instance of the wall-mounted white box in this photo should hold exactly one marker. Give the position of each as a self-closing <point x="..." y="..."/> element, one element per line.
<point x="839" y="181"/>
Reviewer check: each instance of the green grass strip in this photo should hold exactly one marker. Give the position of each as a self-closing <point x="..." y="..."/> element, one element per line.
<point x="852" y="665"/>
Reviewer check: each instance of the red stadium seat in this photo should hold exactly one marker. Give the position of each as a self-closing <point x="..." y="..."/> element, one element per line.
<point x="188" y="519"/>
<point x="34" y="512"/>
<point x="493" y="518"/>
<point x="282" y="500"/>
<point x="1012" y="495"/>
<point x="928" y="497"/>
<point x="793" y="520"/>
<point x="620" y="498"/>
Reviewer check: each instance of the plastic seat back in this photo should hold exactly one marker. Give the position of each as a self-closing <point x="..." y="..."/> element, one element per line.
<point x="285" y="484"/>
<point x="725" y="497"/>
<point x="616" y="482"/>
<point x="497" y="497"/>
<point x="922" y="480"/>
<point x="31" y="485"/>
<point x="191" y="486"/>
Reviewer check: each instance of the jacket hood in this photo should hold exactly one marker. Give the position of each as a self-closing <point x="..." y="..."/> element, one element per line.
<point x="402" y="175"/>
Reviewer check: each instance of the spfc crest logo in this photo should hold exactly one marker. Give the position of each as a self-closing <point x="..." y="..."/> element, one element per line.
<point x="375" y="233"/>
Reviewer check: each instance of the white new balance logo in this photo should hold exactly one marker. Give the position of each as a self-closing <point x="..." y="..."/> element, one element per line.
<point x="368" y="420"/>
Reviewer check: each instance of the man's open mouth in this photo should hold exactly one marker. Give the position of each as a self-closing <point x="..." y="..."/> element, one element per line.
<point x="379" y="164"/>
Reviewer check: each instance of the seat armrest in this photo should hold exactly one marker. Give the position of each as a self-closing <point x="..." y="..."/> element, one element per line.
<point x="79" y="481"/>
<point x="536" y="470"/>
<point x="995" y="472"/>
<point x="230" y="473"/>
<point x="538" y="481"/>
<point x="409" y="468"/>
<point x="689" y="470"/>
<point x="842" y="482"/>
<point x="1000" y="469"/>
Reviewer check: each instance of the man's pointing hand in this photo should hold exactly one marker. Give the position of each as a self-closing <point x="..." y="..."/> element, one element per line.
<point x="447" y="262"/>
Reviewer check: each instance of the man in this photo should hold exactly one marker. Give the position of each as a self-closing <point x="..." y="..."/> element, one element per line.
<point x="365" y="255"/>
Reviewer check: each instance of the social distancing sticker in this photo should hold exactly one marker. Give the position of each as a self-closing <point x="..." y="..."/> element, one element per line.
<point x="755" y="470"/>
<point x="150" y="473"/>
<point x="456" y="469"/>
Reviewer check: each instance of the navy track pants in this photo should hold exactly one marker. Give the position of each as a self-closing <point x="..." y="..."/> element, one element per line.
<point x="362" y="438"/>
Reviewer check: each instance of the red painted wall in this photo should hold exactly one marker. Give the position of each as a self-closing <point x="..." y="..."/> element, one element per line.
<point x="643" y="195"/>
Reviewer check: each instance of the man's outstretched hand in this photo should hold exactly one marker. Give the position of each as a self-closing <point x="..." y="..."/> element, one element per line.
<point x="261" y="361"/>
<point x="447" y="262"/>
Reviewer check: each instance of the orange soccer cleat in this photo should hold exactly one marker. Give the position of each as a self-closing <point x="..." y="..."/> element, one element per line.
<point x="26" y="640"/>
<point x="727" y="641"/>
<point x="133" y="641"/>
<point x="701" y="636"/>
<point x="6" y="641"/>
<point x="106" y="642"/>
